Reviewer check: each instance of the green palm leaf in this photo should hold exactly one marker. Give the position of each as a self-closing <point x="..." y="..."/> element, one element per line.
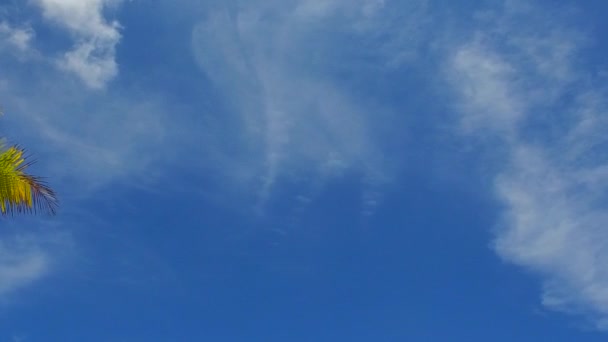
<point x="19" y="191"/>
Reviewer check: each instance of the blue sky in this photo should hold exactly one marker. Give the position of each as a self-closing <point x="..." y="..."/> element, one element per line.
<point x="308" y="170"/>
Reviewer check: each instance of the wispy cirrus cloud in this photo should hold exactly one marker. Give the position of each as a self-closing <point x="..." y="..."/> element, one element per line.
<point x="273" y="62"/>
<point x="92" y="58"/>
<point x="520" y="83"/>
<point x="94" y="140"/>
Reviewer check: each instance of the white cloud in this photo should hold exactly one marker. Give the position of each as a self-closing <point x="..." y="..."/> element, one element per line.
<point x="519" y="81"/>
<point x="323" y="8"/>
<point x="27" y="258"/>
<point x="93" y="56"/>
<point x="485" y="82"/>
<point x="20" y="267"/>
<point x="94" y="65"/>
<point x="16" y="37"/>
<point x="555" y="225"/>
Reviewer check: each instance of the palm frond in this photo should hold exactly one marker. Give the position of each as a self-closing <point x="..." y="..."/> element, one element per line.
<point x="19" y="191"/>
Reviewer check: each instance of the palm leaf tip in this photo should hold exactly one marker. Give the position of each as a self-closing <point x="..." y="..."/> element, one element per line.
<point x="19" y="191"/>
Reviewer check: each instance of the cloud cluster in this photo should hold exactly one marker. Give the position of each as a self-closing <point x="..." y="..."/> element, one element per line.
<point x="95" y="138"/>
<point x="289" y="116"/>
<point x="88" y="145"/>
<point x="521" y="84"/>
<point x="87" y="140"/>
<point x="93" y="55"/>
